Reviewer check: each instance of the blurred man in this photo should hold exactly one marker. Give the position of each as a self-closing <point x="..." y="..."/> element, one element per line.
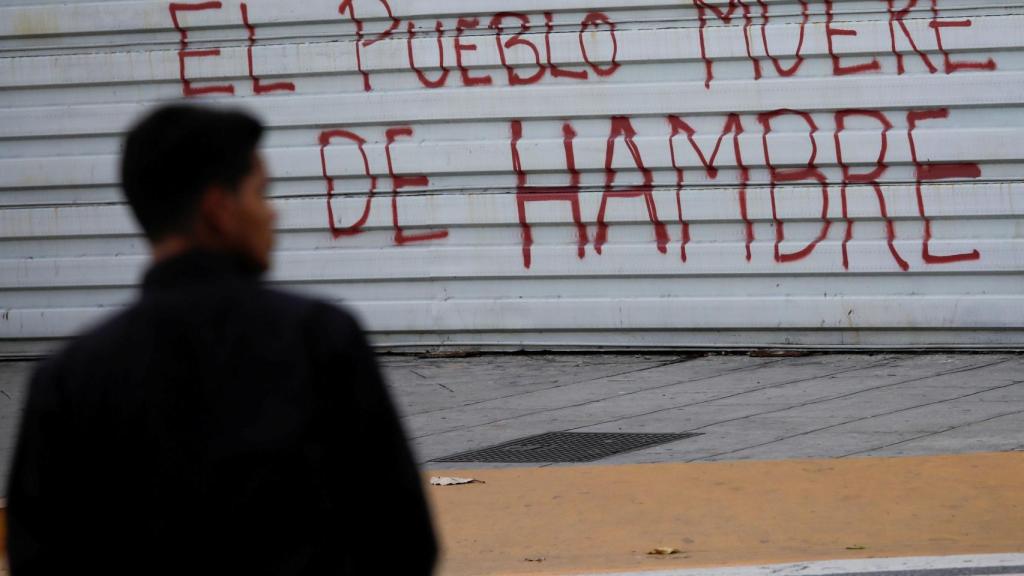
<point x="215" y="426"/>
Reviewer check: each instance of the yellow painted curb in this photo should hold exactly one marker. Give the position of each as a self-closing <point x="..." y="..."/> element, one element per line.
<point x="607" y="518"/>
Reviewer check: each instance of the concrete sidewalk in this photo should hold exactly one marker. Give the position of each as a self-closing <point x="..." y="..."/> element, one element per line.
<point x="815" y="406"/>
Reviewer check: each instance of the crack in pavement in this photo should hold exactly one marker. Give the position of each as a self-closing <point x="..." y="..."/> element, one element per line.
<point x="950" y="429"/>
<point x="555" y="387"/>
<point x="861" y="419"/>
<point x="770" y="386"/>
<point x="761" y="364"/>
<point x="848" y="395"/>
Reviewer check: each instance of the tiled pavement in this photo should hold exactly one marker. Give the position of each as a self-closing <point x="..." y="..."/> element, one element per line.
<point x="815" y="406"/>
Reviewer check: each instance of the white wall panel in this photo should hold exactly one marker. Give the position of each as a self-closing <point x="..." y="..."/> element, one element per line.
<point x="721" y="257"/>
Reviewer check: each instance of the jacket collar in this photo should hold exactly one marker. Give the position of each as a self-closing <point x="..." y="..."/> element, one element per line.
<point x="199" y="267"/>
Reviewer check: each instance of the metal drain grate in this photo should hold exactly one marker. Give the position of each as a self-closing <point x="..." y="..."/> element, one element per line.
<point x="565" y="447"/>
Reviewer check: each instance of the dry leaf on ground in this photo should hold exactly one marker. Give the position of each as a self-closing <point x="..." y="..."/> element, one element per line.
<point x="453" y="481"/>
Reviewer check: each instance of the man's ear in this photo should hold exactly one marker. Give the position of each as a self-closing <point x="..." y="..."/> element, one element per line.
<point x="216" y="214"/>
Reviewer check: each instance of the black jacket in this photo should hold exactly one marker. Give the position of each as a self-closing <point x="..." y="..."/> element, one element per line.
<point x="215" y="427"/>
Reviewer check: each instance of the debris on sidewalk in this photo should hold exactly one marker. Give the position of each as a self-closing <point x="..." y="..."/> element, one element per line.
<point x="663" y="551"/>
<point x="446" y="354"/>
<point x="538" y="559"/>
<point x="856" y="547"/>
<point x="453" y="481"/>
<point x="777" y="353"/>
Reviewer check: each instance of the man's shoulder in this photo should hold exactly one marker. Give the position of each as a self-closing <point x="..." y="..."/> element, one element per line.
<point x="287" y="307"/>
<point x="317" y="318"/>
<point x="88" y="341"/>
<point x="328" y="329"/>
<point x="88" y="348"/>
<point x="305" y="306"/>
<point x="110" y="342"/>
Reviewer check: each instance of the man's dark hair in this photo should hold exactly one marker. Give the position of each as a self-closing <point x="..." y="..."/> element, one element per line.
<point x="173" y="155"/>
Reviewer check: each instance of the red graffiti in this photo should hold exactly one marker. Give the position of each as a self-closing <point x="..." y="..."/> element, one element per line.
<point x="683" y="224"/>
<point x="325" y="139"/>
<point x="460" y="47"/>
<point x="257" y="85"/>
<point x="187" y="88"/>
<point x="440" y="57"/>
<point x="784" y="72"/>
<point x="598" y="21"/>
<point x="395" y="22"/>
<point x="347" y="6"/>
<point x="344" y="7"/>
<point x="555" y="70"/>
<point x="733" y="126"/>
<point x="898" y="16"/>
<point x="809" y="172"/>
<point x="399" y="182"/>
<point x="870" y="178"/>
<point x="830" y="31"/>
<point x="678" y="125"/>
<point x="951" y="66"/>
<point x="595" y="19"/>
<point x="726" y="17"/>
<point x="927" y="171"/>
<point x="621" y="126"/>
<point x="514" y="79"/>
<point x="568" y="193"/>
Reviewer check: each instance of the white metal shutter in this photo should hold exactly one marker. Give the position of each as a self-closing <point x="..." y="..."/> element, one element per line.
<point x="650" y="238"/>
